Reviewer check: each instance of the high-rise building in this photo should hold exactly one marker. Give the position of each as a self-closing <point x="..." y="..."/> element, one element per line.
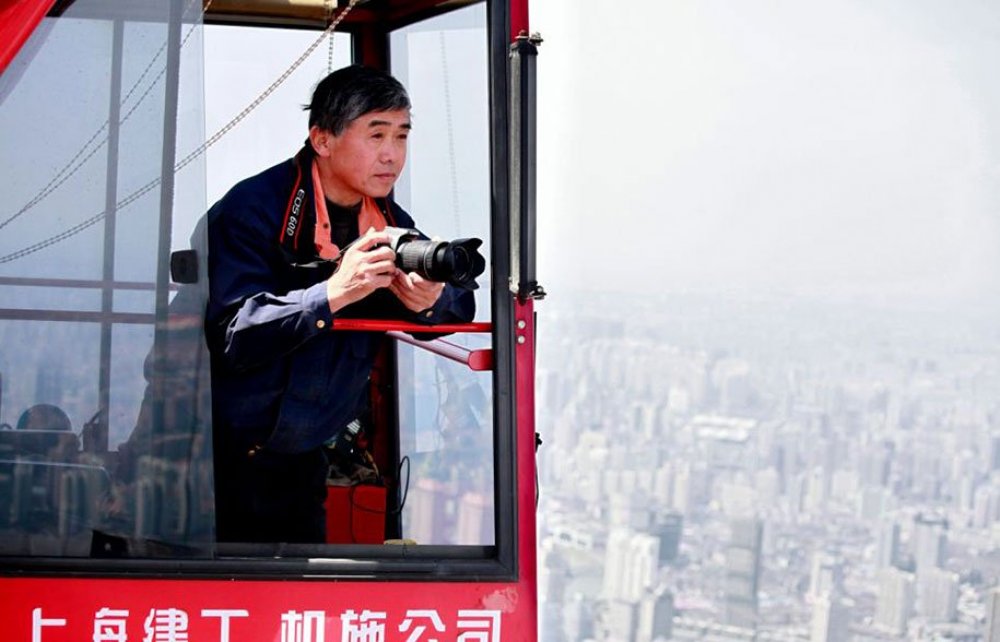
<point x="631" y="565"/>
<point x="992" y="452"/>
<point x="686" y="488"/>
<point x="874" y="465"/>
<point x="616" y="621"/>
<point x="631" y="510"/>
<point x="887" y="546"/>
<point x="655" y="615"/>
<point x="992" y="633"/>
<point x="663" y="484"/>
<point x="827" y="575"/>
<point x="929" y="541"/>
<point x="577" y="618"/>
<point x="985" y="506"/>
<point x="553" y="576"/>
<point x="816" y="490"/>
<point x="830" y="620"/>
<point x="743" y="572"/>
<point x="937" y="595"/>
<point x="895" y="600"/>
<point x="669" y="528"/>
<point x="874" y="503"/>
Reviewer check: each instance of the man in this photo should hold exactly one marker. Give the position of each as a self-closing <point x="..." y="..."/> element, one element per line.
<point x="283" y="382"/>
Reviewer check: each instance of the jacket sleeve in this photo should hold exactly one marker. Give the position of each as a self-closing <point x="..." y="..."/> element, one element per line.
<point x="251" y="318"/>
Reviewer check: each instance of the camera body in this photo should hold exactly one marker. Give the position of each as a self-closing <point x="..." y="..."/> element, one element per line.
<point x="456" y="262"/>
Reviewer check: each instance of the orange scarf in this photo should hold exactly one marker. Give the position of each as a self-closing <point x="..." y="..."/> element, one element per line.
<point x="369" y="217"/>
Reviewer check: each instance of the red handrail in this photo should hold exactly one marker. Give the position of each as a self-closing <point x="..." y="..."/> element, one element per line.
<point x="382" y="325"/>
<point x="478" y="360"/>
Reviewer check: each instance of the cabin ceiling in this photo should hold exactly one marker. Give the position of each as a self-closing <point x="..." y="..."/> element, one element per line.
<point x="379" y="14"/>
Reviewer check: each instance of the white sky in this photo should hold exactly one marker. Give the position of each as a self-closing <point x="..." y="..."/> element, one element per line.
<point x="848" y="147"/>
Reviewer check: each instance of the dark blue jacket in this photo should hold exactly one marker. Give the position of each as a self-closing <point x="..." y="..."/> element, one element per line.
<point x="281" y="379"/>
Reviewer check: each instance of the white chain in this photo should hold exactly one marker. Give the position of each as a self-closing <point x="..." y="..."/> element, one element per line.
<point x="267" y="92"/>
<point x="72" y="166"/>
<point x="134" y="196"/>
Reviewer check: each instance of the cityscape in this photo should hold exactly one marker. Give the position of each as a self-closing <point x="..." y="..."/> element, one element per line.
<point x="753" y="468"/>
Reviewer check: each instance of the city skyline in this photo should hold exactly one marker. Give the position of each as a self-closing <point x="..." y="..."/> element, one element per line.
<point x="864" y="445"/>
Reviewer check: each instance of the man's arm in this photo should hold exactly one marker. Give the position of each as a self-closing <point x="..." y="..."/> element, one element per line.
<point x="252" y="316"/>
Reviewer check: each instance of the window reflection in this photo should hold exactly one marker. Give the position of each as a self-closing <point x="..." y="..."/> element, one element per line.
<point x="445" y="409"/>
<point x="104" y="448"/>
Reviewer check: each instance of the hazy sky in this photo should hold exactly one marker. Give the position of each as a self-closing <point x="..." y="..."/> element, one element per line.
<point x="848" y="147"/>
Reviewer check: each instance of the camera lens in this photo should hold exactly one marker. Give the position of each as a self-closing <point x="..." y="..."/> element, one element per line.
<point x="419" y="256"/>
<point x="458" y="262"/>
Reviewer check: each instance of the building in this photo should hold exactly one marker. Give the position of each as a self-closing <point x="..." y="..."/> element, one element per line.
<point x="887" y="547"/>
<point x="655" y="615"/>
<point x="827" y="575"/>
<point x="616" y="622"/>
<point x="895" y="601"/>
<point x="553" y="577"/>
<point x="743" y="572"/>
<point x="937" y="595"/>
<point x="669" y="528"/>
<point x="992" y="633"/>
<point x="830" y="620"/>
<point x="577" y="619"/>
<point x="631" y="564"/>
<point x="929" y="541"/>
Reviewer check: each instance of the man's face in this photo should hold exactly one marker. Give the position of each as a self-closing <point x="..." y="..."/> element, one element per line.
<point x="366" y="158"/>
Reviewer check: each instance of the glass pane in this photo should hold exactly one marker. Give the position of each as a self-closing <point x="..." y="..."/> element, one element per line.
<point x="446" y="424"/>
<point x="105" y="448"/>
<point x="254" y="57"/>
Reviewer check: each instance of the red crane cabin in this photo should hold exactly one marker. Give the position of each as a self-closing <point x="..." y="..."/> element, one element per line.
<point x="110" y="111"/>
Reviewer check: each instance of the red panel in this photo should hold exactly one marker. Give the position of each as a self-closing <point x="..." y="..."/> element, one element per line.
<point x="378" y="325"/>
<point x="518" y="18"/>
<point x="18" y="18"/>
<point x="73" y="609"/>
<point x="524" y="365"/>
<point x="355" y="514"/>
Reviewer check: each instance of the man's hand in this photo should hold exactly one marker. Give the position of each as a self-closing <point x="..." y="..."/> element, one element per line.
<point x="367" y="265"/>
<point x="414" y="291"/>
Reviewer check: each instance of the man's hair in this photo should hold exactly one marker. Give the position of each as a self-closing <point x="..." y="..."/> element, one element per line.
<point x="351" y="92"/>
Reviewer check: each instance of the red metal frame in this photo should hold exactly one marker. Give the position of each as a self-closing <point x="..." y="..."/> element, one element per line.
<point x="18" y="19"/>
<point x="478" y="360"/>
<point x="380" y="325"/>
<point x="524" y="314"/>
<point x="62" y="609"/>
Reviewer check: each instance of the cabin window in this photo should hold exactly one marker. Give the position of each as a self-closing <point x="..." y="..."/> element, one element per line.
<point x="445" y="408"/>
<point x="105" y="396"/>
<point x="105" y="443"/>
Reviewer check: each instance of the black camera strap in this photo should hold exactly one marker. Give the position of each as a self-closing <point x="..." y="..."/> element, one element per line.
<point x="300" y="201"/>
<point x="298" y="228"/>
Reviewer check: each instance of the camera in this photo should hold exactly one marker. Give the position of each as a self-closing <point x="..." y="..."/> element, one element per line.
<point x="457" y="262"/>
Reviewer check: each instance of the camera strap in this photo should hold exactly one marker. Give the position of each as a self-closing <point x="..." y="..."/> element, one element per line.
<point x="306" y="215"/>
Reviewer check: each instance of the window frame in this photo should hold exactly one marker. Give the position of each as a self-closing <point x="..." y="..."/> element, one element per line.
<point x="498" y="562"/>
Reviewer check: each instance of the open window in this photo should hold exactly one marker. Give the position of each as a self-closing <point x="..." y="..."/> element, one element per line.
<point x="109" y="115"/>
